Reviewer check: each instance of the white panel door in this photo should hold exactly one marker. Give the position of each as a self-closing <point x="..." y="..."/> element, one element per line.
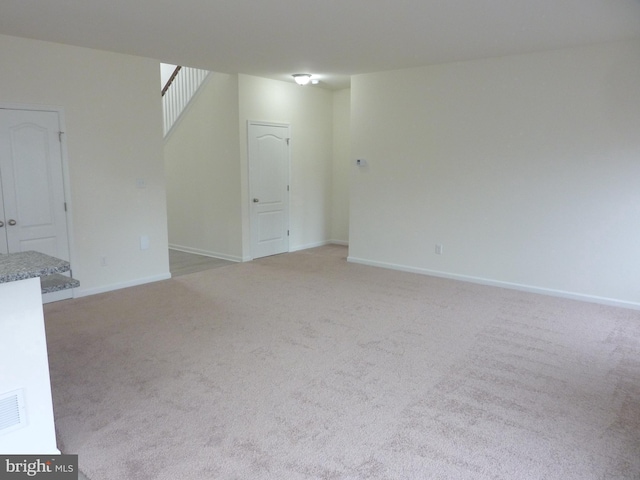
<point x="269" y="188"/>
<point x="4" y="245"/>
<point x="34" y="214"/>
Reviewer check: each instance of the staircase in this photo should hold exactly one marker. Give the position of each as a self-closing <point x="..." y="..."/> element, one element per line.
<point x="178" y="92"/>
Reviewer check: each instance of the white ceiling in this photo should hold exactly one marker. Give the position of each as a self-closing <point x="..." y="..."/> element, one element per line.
<point x="330" y="38"/>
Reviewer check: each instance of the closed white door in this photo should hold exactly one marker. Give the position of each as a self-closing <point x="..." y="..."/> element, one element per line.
<point x="269" y="188"/>
<point x="32" y="183"/>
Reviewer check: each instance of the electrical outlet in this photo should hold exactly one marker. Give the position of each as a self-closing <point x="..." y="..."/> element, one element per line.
<point x="103" y="261"/>
<point x="438" y="249"/>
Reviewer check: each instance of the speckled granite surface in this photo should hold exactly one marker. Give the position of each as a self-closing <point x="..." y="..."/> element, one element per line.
<point x="18" y="266"/>
<point x="56" y="282"/>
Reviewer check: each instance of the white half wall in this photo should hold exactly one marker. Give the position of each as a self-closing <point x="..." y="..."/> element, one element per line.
<point x="202" y="161"/>
<point x="309" y="111"/>
<point x="113" y="116"/>
<point x="524" y="168"/>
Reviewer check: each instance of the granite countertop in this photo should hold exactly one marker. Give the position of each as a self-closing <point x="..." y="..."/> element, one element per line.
<point x="22" y="265"/>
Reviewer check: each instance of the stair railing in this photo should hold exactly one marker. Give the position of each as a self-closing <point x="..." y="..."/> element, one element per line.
<point x="171" y="79"/>
<point x="178" y="92"/>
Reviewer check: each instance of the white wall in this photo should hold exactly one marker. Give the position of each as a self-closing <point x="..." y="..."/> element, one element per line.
<point x="207" y="170"/>
<point x="309" y="111"/>
<point x="113" y="119"/>
<point x="202" y="161"/>
<point x="340" y="168"/>
<point x="525" y="168"/>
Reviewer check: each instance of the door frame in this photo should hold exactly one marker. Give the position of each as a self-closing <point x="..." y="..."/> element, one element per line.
<point x="251" y="123"/>
<point x="66" y="178"/>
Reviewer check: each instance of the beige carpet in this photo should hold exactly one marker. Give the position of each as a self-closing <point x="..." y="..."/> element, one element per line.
<point x="302" y="366"/>
<point x="183" y="263"/>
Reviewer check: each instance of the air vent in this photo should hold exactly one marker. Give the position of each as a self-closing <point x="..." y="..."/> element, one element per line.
<point x="12" y="414"/>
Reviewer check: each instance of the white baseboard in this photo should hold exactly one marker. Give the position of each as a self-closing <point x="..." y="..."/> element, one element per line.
<point x="497" y="283"/>
<point x="206" y="253"/>
<point x="297" y="248"/>
<point x="79" y="292"/>
<point x="317" y="244"/>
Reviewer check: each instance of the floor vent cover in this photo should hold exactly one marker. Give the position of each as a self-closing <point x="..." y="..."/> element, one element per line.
<point x="12" y="414"/>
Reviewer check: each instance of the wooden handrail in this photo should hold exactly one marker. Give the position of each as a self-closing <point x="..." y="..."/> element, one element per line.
<point x="170" y="81"/>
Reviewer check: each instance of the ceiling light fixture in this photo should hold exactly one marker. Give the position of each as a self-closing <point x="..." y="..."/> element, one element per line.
<point x="302" y="78"/>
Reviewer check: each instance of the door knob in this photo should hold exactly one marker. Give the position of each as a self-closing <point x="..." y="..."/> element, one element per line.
<point x="255" y="200"/>
<point x="1" y="224"/>
<point x="12" y="222"/>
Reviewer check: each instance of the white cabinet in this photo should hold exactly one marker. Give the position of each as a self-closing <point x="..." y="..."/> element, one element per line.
<point x="25" y="388"/>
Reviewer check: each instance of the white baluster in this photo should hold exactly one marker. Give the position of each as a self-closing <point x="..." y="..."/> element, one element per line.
<point x="177" y="97"/>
